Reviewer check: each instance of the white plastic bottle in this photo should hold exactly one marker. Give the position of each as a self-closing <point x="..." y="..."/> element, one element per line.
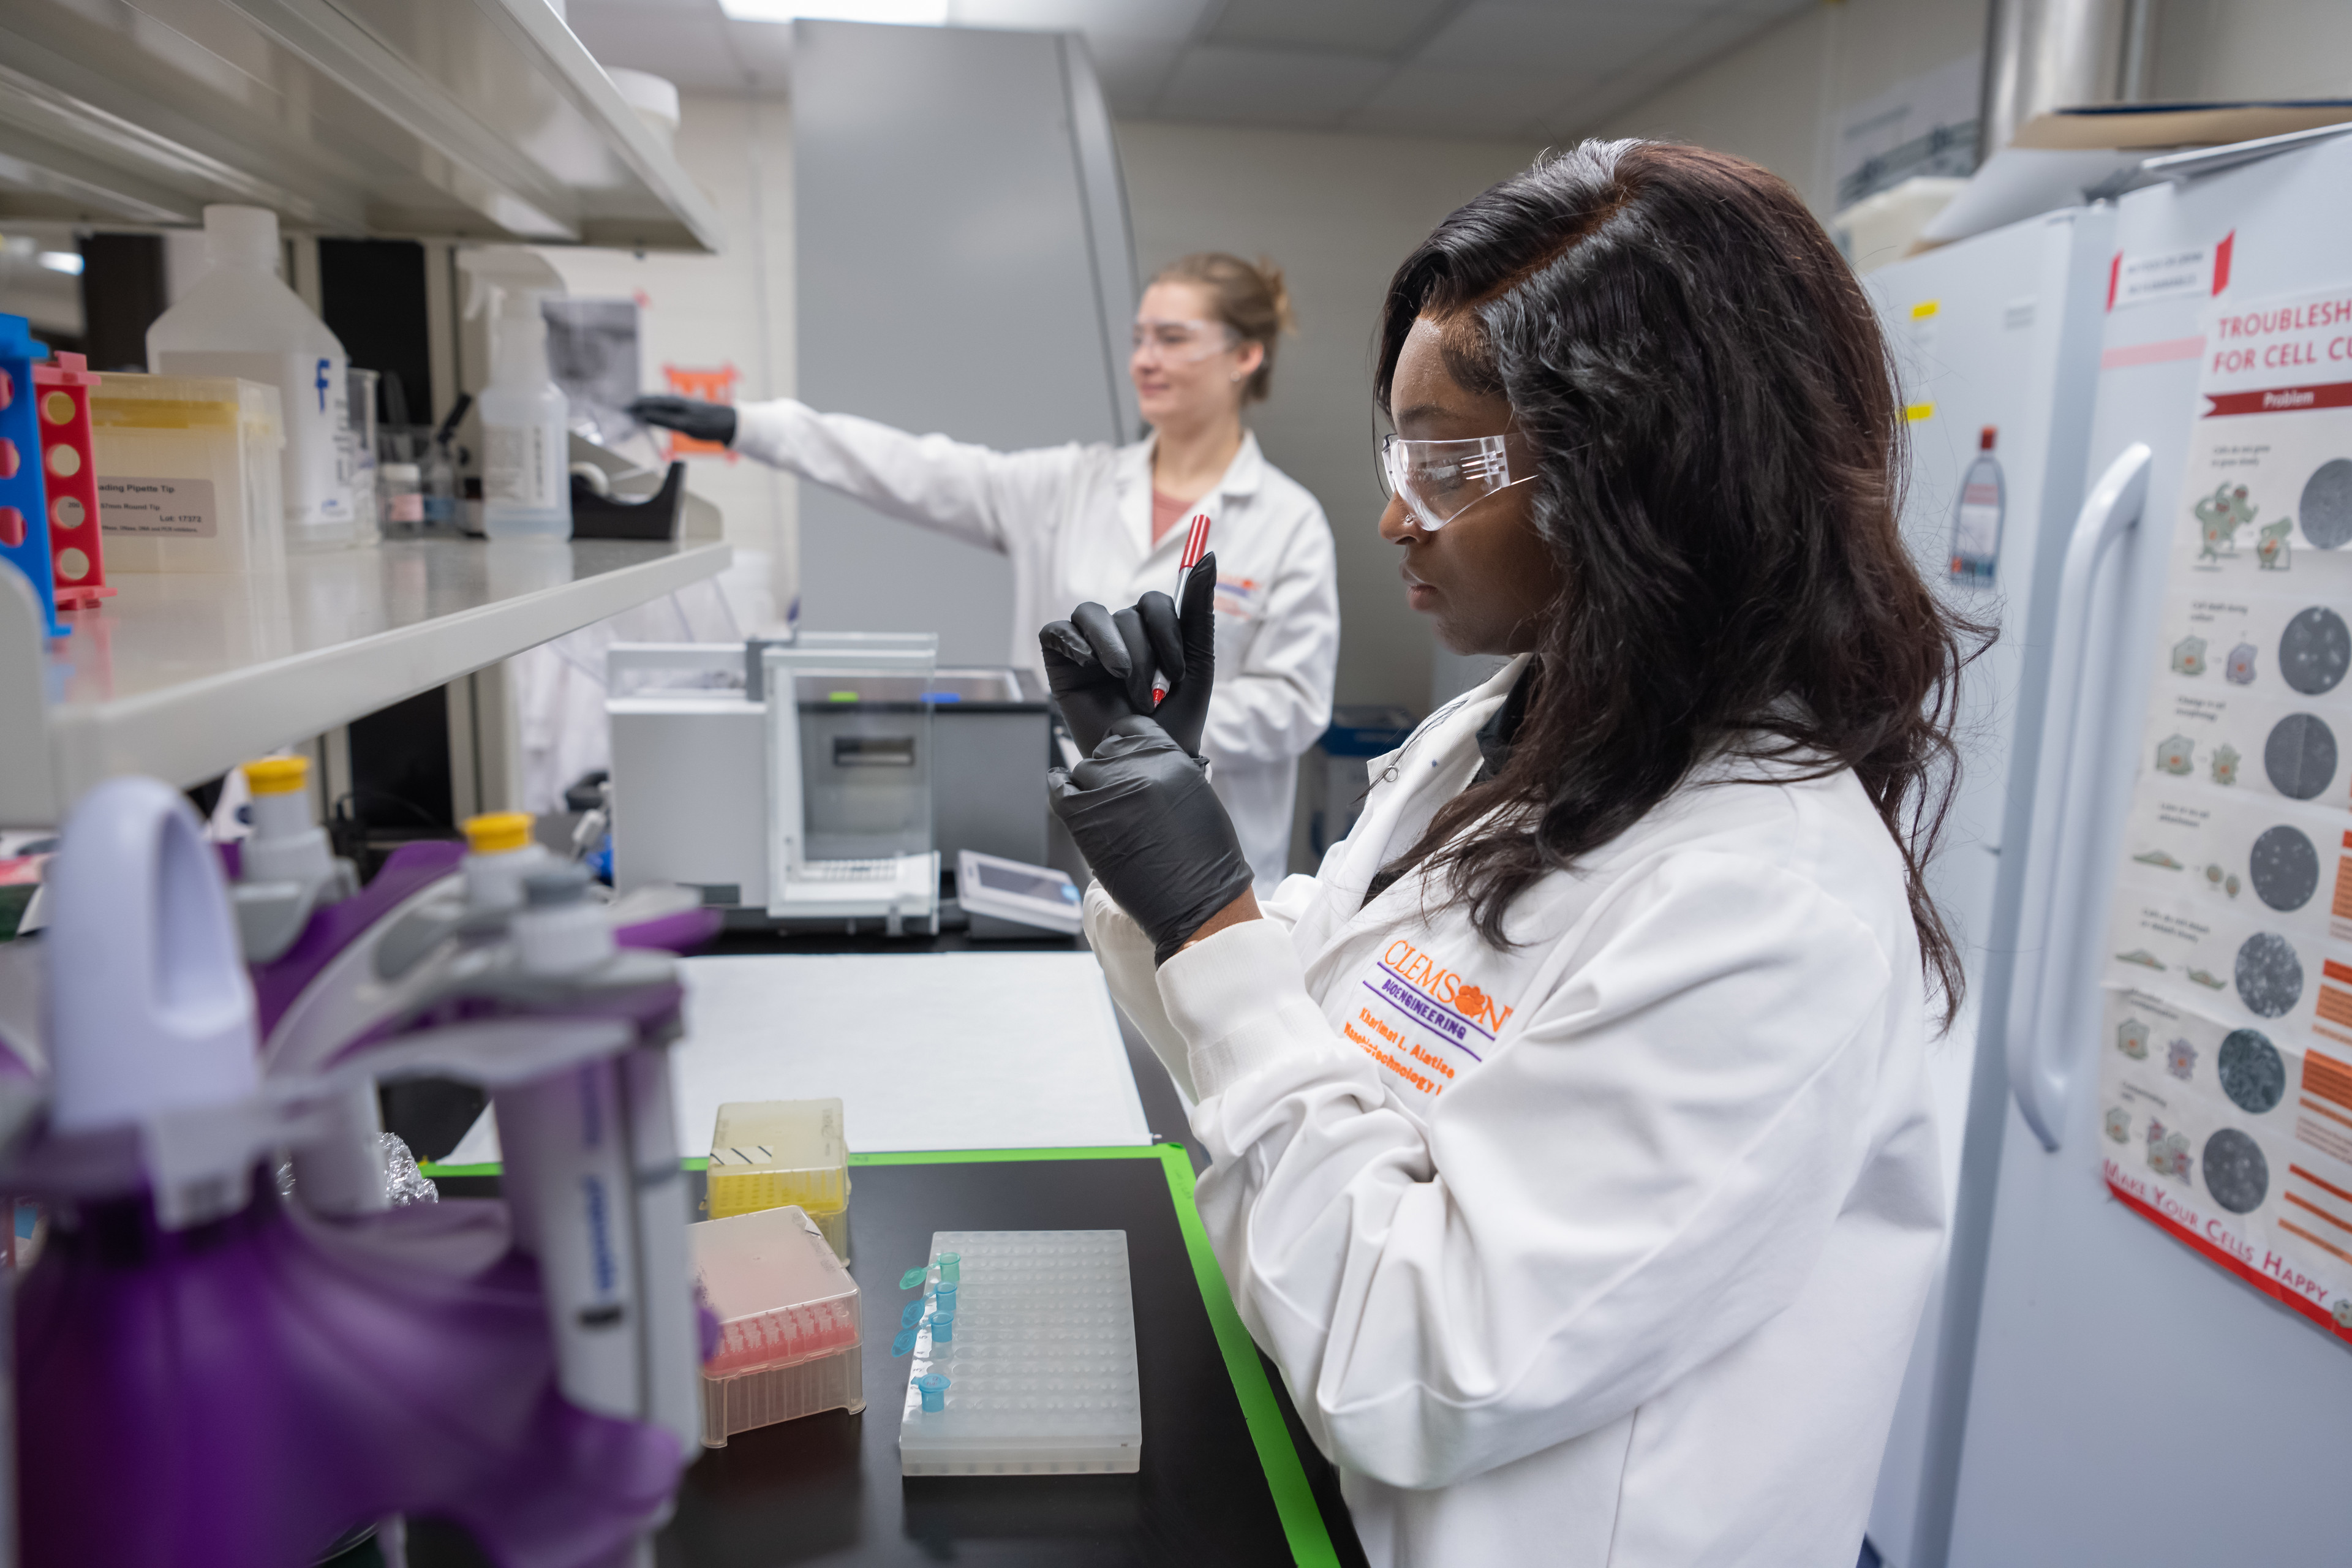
<point x="1976" y="520"/>
<point x="526" y="446"/>
<point x="239" y="320"/>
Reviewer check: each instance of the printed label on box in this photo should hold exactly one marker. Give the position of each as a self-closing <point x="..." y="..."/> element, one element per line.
<point x="182" y="508"/>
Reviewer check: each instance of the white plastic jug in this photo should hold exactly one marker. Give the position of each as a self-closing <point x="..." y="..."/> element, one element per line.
<point x="239" y="320"/>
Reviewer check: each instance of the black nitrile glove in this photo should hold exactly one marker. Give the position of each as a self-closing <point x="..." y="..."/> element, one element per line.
<point x="687" y="416"/>
<point x="1100" y="664"/>
<point x="1143" y="814"/>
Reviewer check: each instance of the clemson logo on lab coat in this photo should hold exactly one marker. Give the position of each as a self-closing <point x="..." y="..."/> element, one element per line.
<point x="1441" y="983"/>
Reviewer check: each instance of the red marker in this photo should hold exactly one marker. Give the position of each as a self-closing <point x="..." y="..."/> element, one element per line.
<point x="1196" y="544"/>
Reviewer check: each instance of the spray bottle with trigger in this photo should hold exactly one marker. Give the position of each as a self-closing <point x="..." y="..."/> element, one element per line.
<point x="526" y="447"/>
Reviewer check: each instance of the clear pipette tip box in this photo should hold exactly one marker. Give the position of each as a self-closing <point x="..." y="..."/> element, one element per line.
<point x="787" y="1331"/>
<point x="1041" y="1367"/>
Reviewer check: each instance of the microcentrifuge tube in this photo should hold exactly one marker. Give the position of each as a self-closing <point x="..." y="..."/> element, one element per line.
<point x="944" y="1328"/>
<point x="914" y="1277"/>
<point x="933" y="1386"/>
<point x="944" y="1298"/>
<point x="951" y="1267"/>
<point x="904" y="1343"/>
<point x="911" y="1315"/>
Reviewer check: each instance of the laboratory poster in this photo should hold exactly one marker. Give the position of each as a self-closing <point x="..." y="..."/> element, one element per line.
<point x="2226" y="1048"/>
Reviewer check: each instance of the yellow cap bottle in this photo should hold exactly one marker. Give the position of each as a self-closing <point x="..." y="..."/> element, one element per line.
<point x="287" y="845"/>
<point x="501" y="854"/>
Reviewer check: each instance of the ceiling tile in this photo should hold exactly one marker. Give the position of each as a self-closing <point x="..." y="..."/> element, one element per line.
<point x="691" y="50"/>
<point x="1170" y="21"/>
<point x="1582" y="39"/>
<point x="1267" y="87"/>
<point x="763" y="54"/>
<point x="1436" y="100"/>
<point x="1132" y="70"/>
<point x="1381" y="28"/>
<point x="1692" y="47"/>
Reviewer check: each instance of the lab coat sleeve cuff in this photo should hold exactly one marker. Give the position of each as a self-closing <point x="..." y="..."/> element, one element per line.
<point x="1239" y="999"/>
<point x="764" y="430"/>
<point x="1128" y="963"/>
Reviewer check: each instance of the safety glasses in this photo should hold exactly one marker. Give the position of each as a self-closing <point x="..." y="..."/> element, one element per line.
<point x="1182" y="343"/>
<point x="1440" y="480"/>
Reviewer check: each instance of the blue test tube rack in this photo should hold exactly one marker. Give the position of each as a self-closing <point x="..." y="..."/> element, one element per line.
<point x="24" y="501"/>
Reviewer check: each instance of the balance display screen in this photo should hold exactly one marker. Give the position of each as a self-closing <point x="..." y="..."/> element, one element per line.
<point x="1027" y="884"/>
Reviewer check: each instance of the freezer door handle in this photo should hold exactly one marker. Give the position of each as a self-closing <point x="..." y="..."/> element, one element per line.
<point x="2058" y="885"/>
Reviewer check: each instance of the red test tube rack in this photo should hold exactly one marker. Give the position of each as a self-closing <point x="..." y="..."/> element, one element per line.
<point x="69" y="473"/>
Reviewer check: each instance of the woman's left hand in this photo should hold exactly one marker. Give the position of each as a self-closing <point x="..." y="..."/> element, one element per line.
<point x="1100" y="664"/>
<point x="1158" y="838"/>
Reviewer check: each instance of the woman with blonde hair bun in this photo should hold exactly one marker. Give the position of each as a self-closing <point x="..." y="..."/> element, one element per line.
<point x="1103" y="524"/>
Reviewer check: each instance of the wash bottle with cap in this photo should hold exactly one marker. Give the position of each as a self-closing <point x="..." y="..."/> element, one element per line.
<point x="526" y="450"/>
<point x="239" y="320"/>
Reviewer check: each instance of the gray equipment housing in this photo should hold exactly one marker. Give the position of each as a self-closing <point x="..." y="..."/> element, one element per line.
<point x="963" y="265"/>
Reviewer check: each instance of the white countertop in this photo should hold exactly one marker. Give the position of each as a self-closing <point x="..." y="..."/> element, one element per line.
<point x="944" y="1050"/>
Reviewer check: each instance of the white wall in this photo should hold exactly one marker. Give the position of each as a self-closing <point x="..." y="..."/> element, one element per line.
<point x="1778" y="99"/>
<point x="2221" y="50"/>
<point x="1338" y="211"/>
<point x="735" y="307"/>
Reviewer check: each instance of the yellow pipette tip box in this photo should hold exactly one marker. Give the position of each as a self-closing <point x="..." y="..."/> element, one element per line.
<point x="766" y="1153"/>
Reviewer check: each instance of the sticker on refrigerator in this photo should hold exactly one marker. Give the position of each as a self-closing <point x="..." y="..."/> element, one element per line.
<point x="2226" y="1073"/>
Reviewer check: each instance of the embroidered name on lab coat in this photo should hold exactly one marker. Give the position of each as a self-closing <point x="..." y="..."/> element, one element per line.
<point x="1422" y="1019"/>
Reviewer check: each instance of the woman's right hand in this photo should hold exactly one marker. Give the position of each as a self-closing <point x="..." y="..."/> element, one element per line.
<point x="1155" y="835"/>
<point x="1100" y="664"/>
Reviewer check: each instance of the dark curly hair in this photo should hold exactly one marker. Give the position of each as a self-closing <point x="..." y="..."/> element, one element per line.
<point x="1721" y="461"/>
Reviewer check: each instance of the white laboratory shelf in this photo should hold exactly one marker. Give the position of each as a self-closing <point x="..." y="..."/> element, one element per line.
<point x="181" y="675"/>
<point x="447" y="119"/>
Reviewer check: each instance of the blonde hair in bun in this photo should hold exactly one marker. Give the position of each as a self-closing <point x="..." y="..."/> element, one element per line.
<point x="1251" y="299"/>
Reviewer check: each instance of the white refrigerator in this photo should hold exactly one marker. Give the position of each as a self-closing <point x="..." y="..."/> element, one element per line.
<point x="1996" y="343"/>
<point x="2143" y="1351"/>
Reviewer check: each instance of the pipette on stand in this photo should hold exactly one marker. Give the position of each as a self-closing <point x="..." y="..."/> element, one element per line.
<point x="1196" y="544"/>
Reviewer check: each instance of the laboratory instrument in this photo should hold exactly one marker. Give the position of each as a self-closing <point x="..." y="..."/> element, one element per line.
<point x="1036" y="1373"/>
<point x="337" y="1359"/>
<point x="700" y="799"/>
<point x="787" y="1318"/>
<point x="768" y="1153"/>
<point x="238" y="320"/>
<point x="1029" y="899"/>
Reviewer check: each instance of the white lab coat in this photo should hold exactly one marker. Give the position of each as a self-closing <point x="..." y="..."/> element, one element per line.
<point x="1605" y="1249"/>
<point x="1076" y="521"/>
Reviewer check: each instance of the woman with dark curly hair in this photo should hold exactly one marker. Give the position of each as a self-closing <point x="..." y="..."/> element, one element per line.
<point x="1572" y="1149"/>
